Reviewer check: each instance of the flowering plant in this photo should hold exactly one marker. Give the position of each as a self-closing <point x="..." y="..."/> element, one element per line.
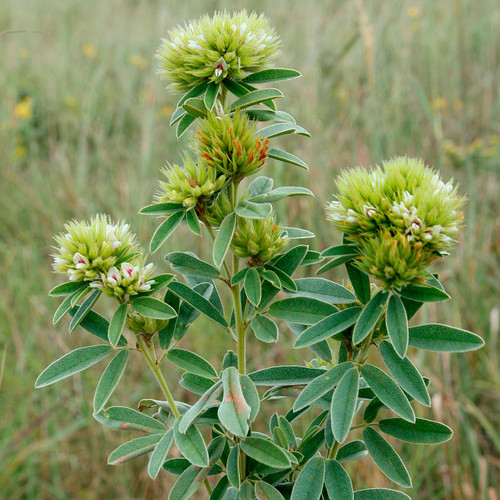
<point x="396" y="218"/>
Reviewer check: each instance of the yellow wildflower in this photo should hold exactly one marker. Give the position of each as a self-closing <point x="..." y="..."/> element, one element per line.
<point x="24" y="109"/>
<point x="413" y="12"/>
<point x="89" y="50"/>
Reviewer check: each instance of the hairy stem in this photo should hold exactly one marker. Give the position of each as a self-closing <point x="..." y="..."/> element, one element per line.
<point x="151" y="361"/>
<point x="333" y="450"/>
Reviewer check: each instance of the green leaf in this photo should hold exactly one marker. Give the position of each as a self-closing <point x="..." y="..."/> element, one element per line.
<point x="160" y="453"/>
<point x="351" y="451"/>
<point x="388" y="391"/>
<point x="443" y="338"/>
<point x="164" y="230"/>
<point x="265" y="115"/>
<point x="84" y="309"/>
<point x="194" y="92"/>
<point x="97" y="325"/>
<point x="75" y="298"/>
<point x="197" y="301"/>
<point x="421" y="432"/>
<point x="284" y="156"/>
<point x="162" y="209"/>
<point x="255" y="97"/>
<point x="64" y="307"/>
<point x="211" y="94"/>
<point x="265" y="329"/>
<point x="423" y="293"/>
<point x="251" y="395"/>
<point x="283" y="192"/>
<point x="191" y="362"/>
<point x="195" y="107"/>
<point x="220" y="489"/>
<point x="265" y="452"/>
<point x="252" y="287"/>
<point x="276" y="130"/>
<point x="297" y="233"/>
<point x="234" y="411"/>
<point x="287" y="429"/>
<point x="160" y="282"/>
<point x="109" y="380"/>
<point x="337" y="481"/>
<point x="360" y="282"/>
<point x="191" y="445"/>
<point x="271" y="75"/>
<point x="196" y="383"/>
<point x="184" y="123"/>
<point x="265" y="491"/>
<point x="328" y="327"/>
<point x="302" y="131"/>
<point x="285" y="280"/>
<point x="177" y="115"/>
<point x="309" y="483"/>
<point x="116" y="325"/>
<point x="340" y="251"/>
<point x="380" y="494"/>
<point x="343" y="404"/>
<point x="251" y="210"/>
<point x="223" y="239"/>
<point x="269" y="276"/>
<point x="369" y="316"/>
<point x="127" y="419"/>
<point x="71" y="363"/>
<point x="405" y="373"/>
<point x="68" y="288"/>
<point x="233" y="468"/>
<point x="302" y="310"/>
<point x="193" y="222"/>
<point x="338" y="261"/>
<point x="132" y="449"/>
<point x="260" y="186"/>
<point x="189" y="265"/>
<point x="285" y="375"/>
<point x="386" y="458"/>
<point x="397" y="325"/>
<point x="321" y="385"/>
<point x="186" y="485"/>
<point x="153" y="308"/>
<point x="324" y="290"/>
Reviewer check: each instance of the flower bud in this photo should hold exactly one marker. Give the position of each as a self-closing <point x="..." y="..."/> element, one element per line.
<point x="228" y="145"/>
<point x="138" y="323"/>
<point x="258" y="240"/>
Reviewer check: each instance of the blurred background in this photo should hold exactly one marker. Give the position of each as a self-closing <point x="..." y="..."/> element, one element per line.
<point x="84" y="129"/>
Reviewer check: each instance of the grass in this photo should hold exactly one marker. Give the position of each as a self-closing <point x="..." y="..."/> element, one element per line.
<point x="84" y="129"/>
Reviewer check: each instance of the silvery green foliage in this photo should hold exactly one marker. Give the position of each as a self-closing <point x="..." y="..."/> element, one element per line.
<point x="249" y="293"/>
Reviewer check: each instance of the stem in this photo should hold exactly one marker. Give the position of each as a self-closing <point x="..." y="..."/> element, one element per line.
<point x="151" y="361"/>
<point x="207" y="486"/>
<point x="333" y="450"/>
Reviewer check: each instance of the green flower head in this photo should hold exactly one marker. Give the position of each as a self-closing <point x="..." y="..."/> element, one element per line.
<point x="89" y="249"/>
<point x="219" y="209"/>
<point x="191" y="185"/>
<point x="403" y="216"/>
<point x="258" y="240"/>
<point x="138" y="323"/>
<point x="213" y="48"/>
<point x="229" y="145"/>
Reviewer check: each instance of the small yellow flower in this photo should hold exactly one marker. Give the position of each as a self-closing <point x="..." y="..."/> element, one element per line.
<point x="69" y="101"/>
<point x="138" y="62"/>
<point x="89" y="50"/>
<point x="19" y="151"/>
<point x="23" y="53"/>
<point x="413" y="12"/>
<point x="439" y="104"/>
<point x="24" y="109"/>
<point x="458" y="104"/>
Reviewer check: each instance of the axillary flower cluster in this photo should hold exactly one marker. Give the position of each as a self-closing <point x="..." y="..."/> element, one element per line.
<point x="402" y="216"/>
<point x="105" y="254"/>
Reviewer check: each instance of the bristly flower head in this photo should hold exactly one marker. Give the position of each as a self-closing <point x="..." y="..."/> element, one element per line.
<point x="127" y="280"/>
<point x="138" y="323"/>
<point x="191" y="184"/>
<point x="229" y="145"/>
<point x="88" y="249"/>
<point x="213" y="48"/>
<point x="403" y="216"/>
<point x="258" y="240"/>
<point x="219" y="209"/>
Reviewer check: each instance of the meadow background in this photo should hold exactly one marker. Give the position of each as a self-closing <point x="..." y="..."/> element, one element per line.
<point x="84" y="129"/>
